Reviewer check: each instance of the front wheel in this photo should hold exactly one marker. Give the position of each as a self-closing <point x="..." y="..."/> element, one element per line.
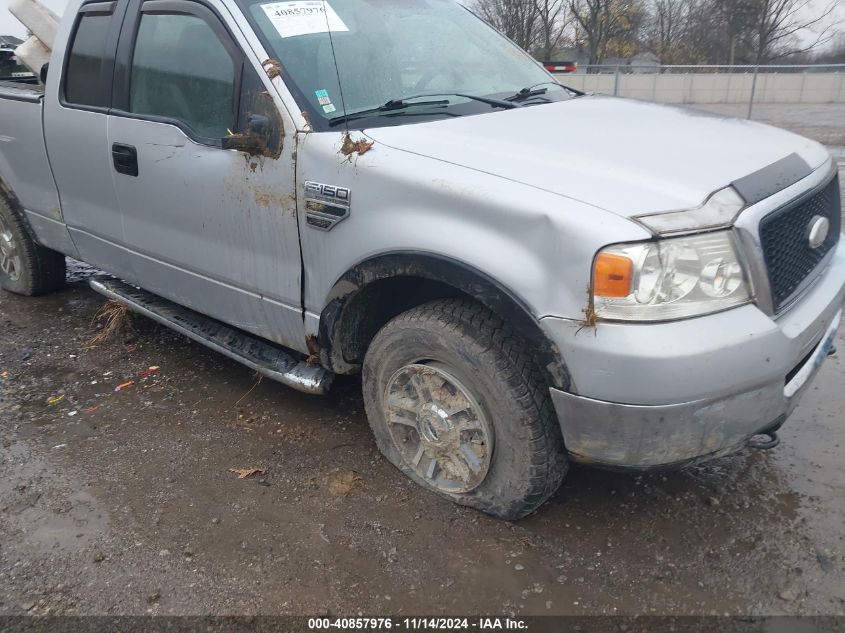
<point x="457" y="404"/>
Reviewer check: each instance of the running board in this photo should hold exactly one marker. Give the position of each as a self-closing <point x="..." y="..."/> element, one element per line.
<point x="263" y="356"/>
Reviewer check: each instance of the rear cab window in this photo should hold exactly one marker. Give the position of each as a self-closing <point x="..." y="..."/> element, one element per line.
<point x="87" y="73"/>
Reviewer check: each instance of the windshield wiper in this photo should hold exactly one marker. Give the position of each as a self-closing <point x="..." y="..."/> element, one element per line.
<point x="498" y="103"/>
<point x="394" y="105"/>
<point x="536" y="91"/>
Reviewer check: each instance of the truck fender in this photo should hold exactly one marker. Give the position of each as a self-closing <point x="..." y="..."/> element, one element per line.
<point x="408" y="279"/>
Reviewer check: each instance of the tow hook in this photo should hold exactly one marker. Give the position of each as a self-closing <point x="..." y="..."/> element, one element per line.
<point x="831" y="351"/>
<point x="764" y="445"/>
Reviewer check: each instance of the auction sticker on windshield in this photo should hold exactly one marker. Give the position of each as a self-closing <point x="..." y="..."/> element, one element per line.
<point x="304" y="17"/>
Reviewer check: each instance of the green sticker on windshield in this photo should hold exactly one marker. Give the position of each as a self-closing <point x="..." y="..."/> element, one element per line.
<point x="323" y="97"/>
<point x="324" y="100"/>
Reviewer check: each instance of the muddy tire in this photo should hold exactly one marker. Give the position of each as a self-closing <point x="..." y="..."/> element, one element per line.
<point x="450" y="384"/>
<point x="26" y="268"/>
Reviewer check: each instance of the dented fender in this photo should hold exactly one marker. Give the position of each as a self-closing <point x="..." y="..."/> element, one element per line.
<point x="512" y="247"/>
<point x="522" y="237"/>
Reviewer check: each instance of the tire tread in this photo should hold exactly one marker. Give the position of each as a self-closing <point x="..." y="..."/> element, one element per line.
<point x="466" y="318"/>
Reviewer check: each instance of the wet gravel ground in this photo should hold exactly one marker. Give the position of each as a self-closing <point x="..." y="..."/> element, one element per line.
<point x="124" y="503"/>
<point x="824" y="122"/>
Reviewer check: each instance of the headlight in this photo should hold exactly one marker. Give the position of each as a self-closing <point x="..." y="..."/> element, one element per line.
<point x="669" y="279"/>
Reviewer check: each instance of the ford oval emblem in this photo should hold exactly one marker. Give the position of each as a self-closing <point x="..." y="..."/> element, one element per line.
<point x="817" y="231"/>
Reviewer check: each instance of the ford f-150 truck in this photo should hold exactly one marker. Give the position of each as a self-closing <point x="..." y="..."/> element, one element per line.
<point x="524" y="275"/>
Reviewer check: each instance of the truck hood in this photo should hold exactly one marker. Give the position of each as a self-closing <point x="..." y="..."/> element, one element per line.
<point x="627" y="157"/>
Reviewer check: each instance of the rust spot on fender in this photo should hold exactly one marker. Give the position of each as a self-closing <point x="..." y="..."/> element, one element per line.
<point x="350" y="148"/>
<point x="590" y="320"/>
<point x="266" y="197"/>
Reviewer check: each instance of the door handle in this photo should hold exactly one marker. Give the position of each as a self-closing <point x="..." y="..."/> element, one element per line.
<point x="125" y="158"/>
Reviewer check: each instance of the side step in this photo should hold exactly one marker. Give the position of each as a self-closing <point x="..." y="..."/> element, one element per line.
<point x="263" y="356"/>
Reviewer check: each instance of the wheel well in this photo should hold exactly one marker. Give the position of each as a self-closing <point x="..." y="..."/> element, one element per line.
<point x="369" y="309"/>
<point x="9" y="197"/>
<point x="375" y="291"/>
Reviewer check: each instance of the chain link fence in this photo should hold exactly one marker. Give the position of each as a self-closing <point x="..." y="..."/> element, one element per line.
<point x="714" y="84"/>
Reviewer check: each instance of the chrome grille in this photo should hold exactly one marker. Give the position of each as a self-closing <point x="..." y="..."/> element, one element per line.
<point x="784" y="236"/>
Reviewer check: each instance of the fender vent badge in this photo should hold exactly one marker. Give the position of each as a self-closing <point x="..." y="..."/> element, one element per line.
<point x="325" y="205"/>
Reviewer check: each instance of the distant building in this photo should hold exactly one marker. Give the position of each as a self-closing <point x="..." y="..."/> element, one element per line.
<point x="641" y="63"/>
<point x="609" y="63"/>
<point x="645" y="63"/>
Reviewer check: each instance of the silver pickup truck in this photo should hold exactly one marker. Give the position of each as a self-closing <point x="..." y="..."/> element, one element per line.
<point x="524" y="275"/>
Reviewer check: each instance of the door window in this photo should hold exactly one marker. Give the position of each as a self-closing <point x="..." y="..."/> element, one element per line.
<point x="182" y="71"/>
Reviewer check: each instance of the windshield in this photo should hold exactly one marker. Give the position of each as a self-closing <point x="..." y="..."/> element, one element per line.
<point x="387" y="50"/>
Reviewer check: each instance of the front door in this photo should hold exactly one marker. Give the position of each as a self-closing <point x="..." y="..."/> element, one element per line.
<point x="204" y="179"/>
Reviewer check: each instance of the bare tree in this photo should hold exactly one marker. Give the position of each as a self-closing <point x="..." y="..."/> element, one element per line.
<point x="779" y="21"/>
<point x="669" y="29"/>
<point x="677" y="31"/>
<point x="517" y="19"/>
<point x="736" y="22"/>
<point x="834" y="54"/>
<point x="600" y="22"/>
<point x="553" y="20"/>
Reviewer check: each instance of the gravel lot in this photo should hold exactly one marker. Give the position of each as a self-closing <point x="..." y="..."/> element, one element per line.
<point x="824" y="123"/>
<point x="123" y="502"/>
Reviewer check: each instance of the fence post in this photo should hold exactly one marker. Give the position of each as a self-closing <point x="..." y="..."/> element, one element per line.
<point x="753" y="89"/>
<point x="616" y="81"/>
<point x="654" y="86"/>
<point x="803" y="83"/>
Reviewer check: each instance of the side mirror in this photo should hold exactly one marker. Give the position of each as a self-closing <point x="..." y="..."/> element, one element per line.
<point x="254" y="141"/>
<point x="258" y="125"/>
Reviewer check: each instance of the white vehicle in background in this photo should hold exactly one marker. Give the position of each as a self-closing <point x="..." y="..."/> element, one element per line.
<point x="524" y="275"/>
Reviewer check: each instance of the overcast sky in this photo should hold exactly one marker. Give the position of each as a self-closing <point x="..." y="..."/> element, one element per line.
<point x="10" y="26"/>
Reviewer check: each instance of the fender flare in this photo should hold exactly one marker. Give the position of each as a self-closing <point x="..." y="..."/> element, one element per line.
<point x="450" y="272"/>
<point x="8" y="195"/>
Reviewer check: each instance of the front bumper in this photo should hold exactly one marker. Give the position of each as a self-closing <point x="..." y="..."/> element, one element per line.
<point x="726" y="377"/>
<point x="643" y="436"/>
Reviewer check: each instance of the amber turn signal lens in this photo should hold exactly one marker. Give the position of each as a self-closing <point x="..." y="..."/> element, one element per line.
<point x="612" y="275"/>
